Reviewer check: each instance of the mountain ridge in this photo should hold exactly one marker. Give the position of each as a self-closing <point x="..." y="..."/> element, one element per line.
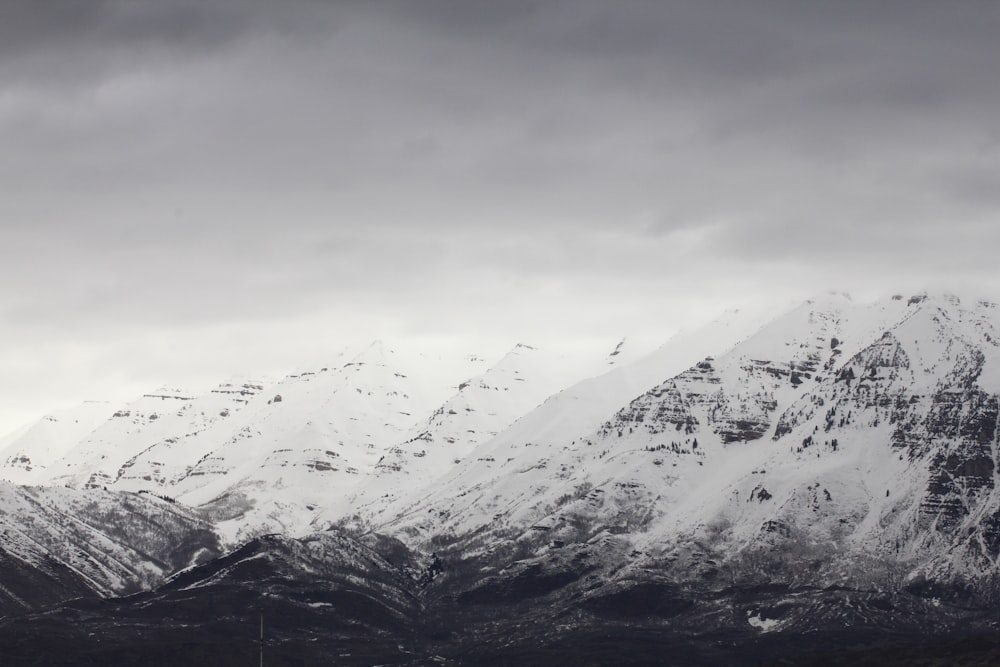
<point x="831" y="472"/>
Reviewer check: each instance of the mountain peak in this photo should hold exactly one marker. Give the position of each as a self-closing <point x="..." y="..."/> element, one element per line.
<point x="376" y="353"/>
<point x="833" y="296"/>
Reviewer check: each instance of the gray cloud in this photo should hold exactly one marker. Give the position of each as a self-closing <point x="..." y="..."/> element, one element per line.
<point x="485" y="168"/>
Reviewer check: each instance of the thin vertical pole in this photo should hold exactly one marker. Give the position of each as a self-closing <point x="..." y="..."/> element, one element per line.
<point x="261" y="638"/>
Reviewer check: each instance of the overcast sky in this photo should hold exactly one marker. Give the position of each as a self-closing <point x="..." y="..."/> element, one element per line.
<point x="195" y="188"/>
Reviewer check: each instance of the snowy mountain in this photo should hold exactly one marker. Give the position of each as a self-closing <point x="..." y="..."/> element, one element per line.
<point x="60" y="543"/>
<point x="159" y="419"/>
<point x="258" y="457"/>
<point x="26" y="454"/>
<point x="860" y="438"/>
<point x="557" y="424"/>
<point x="483" y="406"/>
<point x="318" y="435"/>
<point x="793" y="483"/>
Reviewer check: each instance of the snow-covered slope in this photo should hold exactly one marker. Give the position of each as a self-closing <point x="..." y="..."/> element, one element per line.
<point x="561" y="421"/>
<point x="160" y="418"/>
<point x="832" y="470"/>
<point x="867" y="428"/>
<point x="260" y="460"/>
<point x="70" y="542"/>
<point x="861" y="430"/>
<point x="26" y="454"/>
<point x="482" y="407"/>
<point x="272" y="457"/>
<point x="330" y="450"/>
<point x="317" y="436"/>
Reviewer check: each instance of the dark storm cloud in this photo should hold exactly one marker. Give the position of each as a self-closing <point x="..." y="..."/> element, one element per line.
<point x="669" y="114"/>
<point x="104" y="26"/>
<point x="446" y="164"/>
